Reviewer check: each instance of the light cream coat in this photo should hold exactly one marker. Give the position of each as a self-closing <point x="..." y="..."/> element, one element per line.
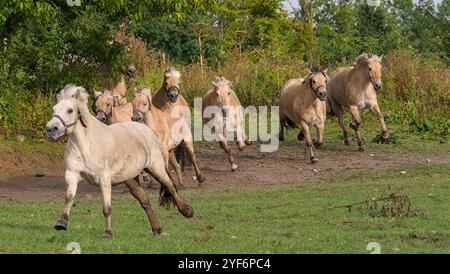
<point x="100" y="155"/>
<point x="222" y="112"/>
<point x="302" y="105"/>
<point x="354" y="88"/>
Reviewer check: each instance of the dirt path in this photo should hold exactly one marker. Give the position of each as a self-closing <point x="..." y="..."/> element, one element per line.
<point x="256" y="169"/>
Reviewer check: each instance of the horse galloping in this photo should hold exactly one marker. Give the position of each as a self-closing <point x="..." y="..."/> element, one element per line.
<point x="355" y="88"/>
<point x="302" y="105"/>
<point x="226" y="114"/>
<point x="164" y="127"/>
<point x="111" y="163"/>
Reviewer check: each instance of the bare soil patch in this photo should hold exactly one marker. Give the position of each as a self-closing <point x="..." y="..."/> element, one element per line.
<point x="288" y="165"/>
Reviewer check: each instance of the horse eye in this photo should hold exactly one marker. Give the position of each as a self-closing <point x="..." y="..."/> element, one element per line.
<point x="70" y="110"/>
<point x="370" y="69"/>
<point x="314" y="81"/>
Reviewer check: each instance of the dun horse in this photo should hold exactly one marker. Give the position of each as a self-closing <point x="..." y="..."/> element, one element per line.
<point x="163" y="125"/>
<point x="111" y="106"/>
<point x="109" y="110"/>
<point x="302" y="105"/>
<point x="170" y="100"/>
<point x="98" y="154"/>
<point x="354" y="88"/>
<point x="226" y="114"/>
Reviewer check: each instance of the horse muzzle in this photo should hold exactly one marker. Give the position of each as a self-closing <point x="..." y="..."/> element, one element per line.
<point x="377" y="85"/>
<point x="102" y="117"/>
<point x="137" y="118"/>
<point x="173" y="97"/>
<point x="53" y="131"/>
<point x="131" y="72"/>
<point x="322" y="95"/>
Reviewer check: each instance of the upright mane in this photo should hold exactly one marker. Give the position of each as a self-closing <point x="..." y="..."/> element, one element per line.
<point x="316" y="70"/>
<point x="221" y="81"/>
<point x="72" y="91"/>
<point x="365" y="58"/>
<point x="143" y="90"/>
<point x="172" y="72"/>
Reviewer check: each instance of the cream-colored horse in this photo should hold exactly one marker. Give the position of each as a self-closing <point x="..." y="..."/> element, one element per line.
<point x="161" y="123"/>
<point x="354" y="88"/>
<point x="302" y="105"/>
<point x="224" y="112"/>
<point x="108" y="155"/>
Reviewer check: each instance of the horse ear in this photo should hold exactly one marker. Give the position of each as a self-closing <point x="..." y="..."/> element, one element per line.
<point x="308" y="70"/>
<point x="214" y="83"/>
<point x="325" y="71"/>
<point x="97" y="94"/>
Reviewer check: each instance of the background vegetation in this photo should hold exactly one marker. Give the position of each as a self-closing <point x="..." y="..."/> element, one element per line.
<point x="257" y="44"/>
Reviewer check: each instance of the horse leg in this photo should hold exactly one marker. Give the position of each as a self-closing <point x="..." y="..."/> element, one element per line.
<point x="281" y="134"/>
<point x="105" y="186"/>
<point x="173" y="162"/>
<point x="355" y="125"/>
<point x="340" y="116"/>
<point x="138" y="192"/>
<point x="384" y="131"/>
<point x="159" y="172"/>
<point x="240" y="134"/>
<point x="189" y="145"/>
<point x="320" y="130"/>
<point x="72" y="179"/>
<point x="224" y="145"/>
<point x="309" y="142"/>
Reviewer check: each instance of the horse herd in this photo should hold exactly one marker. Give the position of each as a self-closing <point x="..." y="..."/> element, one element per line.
<point x="125" y="140"/>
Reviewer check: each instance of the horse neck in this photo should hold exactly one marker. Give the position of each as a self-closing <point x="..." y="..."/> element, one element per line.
<point x="309" y="96"/>
<point x="360" y="77"/>
<point x="86" y="123"/>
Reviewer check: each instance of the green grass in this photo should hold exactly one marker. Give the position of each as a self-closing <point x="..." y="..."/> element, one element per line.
<point x="289" y="218"/>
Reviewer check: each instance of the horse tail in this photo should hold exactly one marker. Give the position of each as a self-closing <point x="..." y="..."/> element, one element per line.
<point x="330" y="111"/>
<point x="290" y="124"/>
<point x="165" y="198"/>
<point x="182" y="156"/>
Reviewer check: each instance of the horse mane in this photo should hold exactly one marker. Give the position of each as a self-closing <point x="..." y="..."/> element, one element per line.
<point x="72" y="91"/>
<point x="221" y="81"/>
<point x="172" y="72"/>
<point x="315" y="70"/>
<point x="143" y="90"/>
<point x="365" y="58"/>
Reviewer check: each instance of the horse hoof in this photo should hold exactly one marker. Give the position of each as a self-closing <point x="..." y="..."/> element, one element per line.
<point x="187" y="211"/>
<point x="347" y="142"/>
<point x="234" y="167"/>
<point x="281" y="139"/>
<point x="385" y="135"/>
<point x="361" y="149"/>
<point x="157" y="231"/>
<point x="107" y="234"/>
<point x="314" y="161"/>
<point x="61" y="225"/>
<point x="249" y="143"/>
<point x="200" y="178"/>
<point x="317" y="145"/>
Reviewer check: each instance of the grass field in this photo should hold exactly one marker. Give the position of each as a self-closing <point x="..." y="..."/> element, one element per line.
<point x="279" y="219"/>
